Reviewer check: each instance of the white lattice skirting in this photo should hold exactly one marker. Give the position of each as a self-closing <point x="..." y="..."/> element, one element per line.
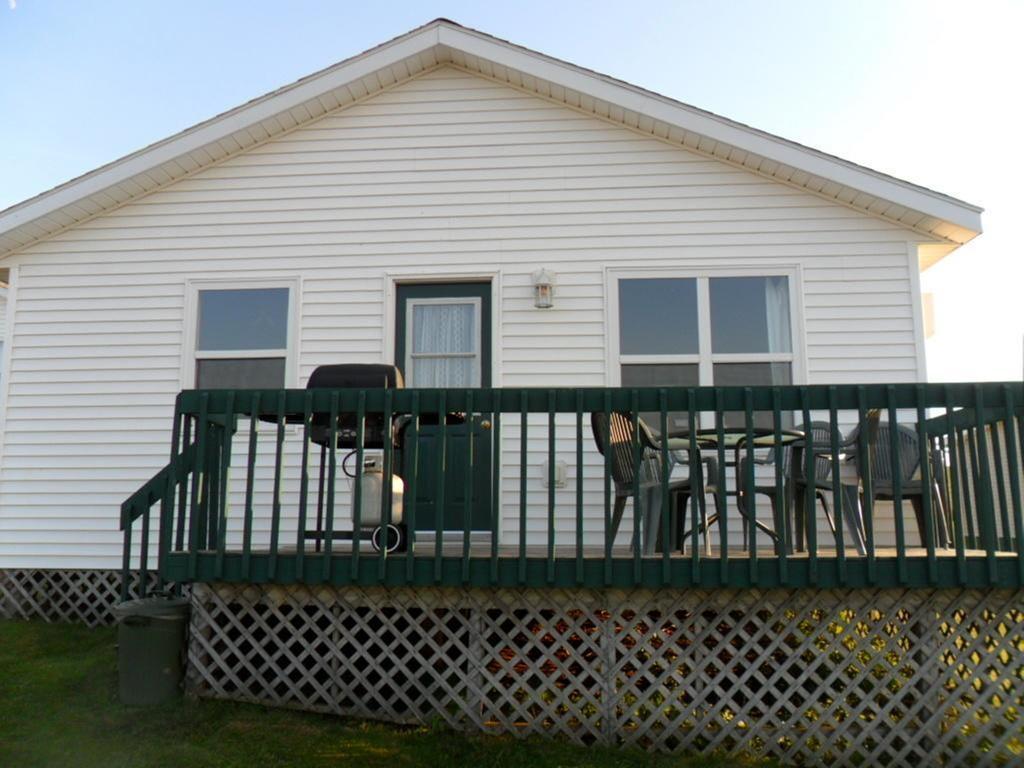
<point x="70" y="596"/>
<point x="863" y="677"/>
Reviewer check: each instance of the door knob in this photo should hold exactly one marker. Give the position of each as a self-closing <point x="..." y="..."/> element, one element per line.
<point x="485" y="424"/>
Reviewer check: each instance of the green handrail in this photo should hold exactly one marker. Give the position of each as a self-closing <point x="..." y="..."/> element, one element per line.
<point x="158" y="489"/>
<point x="970" y="535"/>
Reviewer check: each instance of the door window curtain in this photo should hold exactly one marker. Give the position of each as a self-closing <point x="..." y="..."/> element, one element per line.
<point x="444" y="340"/>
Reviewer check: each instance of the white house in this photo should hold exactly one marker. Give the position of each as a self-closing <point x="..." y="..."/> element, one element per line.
<point x="410" y="193"/>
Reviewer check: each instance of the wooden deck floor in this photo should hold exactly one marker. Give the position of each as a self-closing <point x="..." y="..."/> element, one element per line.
<point x="482" y="550"/>
<point x="537" y="566"/>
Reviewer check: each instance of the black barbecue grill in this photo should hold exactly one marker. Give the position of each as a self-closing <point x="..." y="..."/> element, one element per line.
<point x="377" y="429"/>
<point x="355" y="376"/>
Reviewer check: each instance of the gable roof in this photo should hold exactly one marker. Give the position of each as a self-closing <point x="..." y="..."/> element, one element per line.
<point x="440" y="42"/>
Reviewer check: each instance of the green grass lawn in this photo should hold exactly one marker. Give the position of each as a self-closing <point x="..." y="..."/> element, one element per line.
<point x="59" y="707"/>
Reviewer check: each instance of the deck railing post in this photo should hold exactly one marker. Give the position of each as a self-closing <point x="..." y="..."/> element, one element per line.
<point x="183" y="486"/>
<point x="198" y="483"/>
<point x="550" y="564"/>
<point x="496" y="504"/>
<point x="810" y="483"/>
<point x="782" y="511"/>
<point x="750" y="498"/>
<point x="608" y="534"/>
<point x="439" y="501"/>
<point x="1014" y="470"/>
<point x="957" y="509"/>
<point x="639" y="506"/>
<point x="896" y="473"/>
<point x="666" y="500"/>
<point x="275" y="514"/>
<point x="467" y="486"/>
<point x="865" y="460"/>
<point x="250" y="481"/>
<point x="924" y="451"/>
<point x="223" y="476"/>
<point x="723" y="491"/>
<point x="987" y="521"/>
<point x="300" y="533"/>
<point x="387" y="476"/>
<point x="411" y="461"/>
<point x="698" y="504"/>
<point x="579" y="487"/>
<point x="332" y="484"/>
<point x="167" y="501"/>
<point x="128" y="513"/>
<point x="357" y="485"/>
<point x="968" y="482"/>
<point x="838" y="496"/>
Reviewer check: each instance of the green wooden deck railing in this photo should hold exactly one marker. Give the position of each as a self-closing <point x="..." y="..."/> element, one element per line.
<point x="539" y="535"/>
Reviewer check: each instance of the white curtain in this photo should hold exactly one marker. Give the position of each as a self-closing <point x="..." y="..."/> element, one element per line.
<point x="443" y="372"/>
<point x="447" y="333"/>
<point x="776" y="303"/>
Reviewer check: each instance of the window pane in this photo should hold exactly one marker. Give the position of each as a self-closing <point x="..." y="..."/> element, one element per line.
<point x="444" y="328"/>
<point x="658" y="316"/>
<point x="443" y="372"/>
<point x="674" y="375"/>
<point x="245" y="373"/>
<point x="685" y="375"/>
<point x="750" y="314"/>
<point x="244" y="318"/>
<point x="753" y="374"/>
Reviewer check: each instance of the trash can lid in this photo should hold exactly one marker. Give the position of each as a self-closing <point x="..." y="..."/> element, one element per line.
<point x="153" y="607"/>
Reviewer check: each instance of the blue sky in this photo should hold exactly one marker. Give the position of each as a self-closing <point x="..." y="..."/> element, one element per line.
<point x="928" y="91"/>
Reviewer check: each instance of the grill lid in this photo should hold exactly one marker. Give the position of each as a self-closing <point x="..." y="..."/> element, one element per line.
<point x="356" y="376"/>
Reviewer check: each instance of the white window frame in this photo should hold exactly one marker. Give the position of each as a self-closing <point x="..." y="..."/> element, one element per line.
<point x="705" y="358"/>
<point x="476" y="354"/>
<point x="191" y="355"/>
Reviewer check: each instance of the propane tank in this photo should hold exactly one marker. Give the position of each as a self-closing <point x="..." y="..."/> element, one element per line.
<point x="372" y="483"/>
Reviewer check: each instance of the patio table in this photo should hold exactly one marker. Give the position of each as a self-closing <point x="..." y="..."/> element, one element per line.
<point x="680" y="444"/>
<point x="735" y="439"/>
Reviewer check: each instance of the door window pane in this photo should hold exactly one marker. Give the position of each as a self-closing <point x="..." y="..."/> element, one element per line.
<point x="441" y="372"/>
<point x="441" y="328"/>
<point x="750" y="314"/>
<point x="444" y="344"/>
<point x="241" y="373"/>
<point x="243" y="318"/>
<point x="658" y="316"/>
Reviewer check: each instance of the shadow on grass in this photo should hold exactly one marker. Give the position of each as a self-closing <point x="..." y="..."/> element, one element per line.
<point x="59" y="707"/>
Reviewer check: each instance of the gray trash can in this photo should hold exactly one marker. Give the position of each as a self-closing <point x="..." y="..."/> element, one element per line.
<point x="150" y="649"/>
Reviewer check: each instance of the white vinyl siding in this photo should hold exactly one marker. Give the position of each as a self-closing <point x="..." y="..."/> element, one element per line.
<point x="3" y="338"/>
<point x="448" y="174"/>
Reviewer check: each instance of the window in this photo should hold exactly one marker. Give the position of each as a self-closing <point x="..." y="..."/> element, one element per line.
<point x="444" y="347"/>
<point x="692" y="331"/>
<point x="241" y="337"/>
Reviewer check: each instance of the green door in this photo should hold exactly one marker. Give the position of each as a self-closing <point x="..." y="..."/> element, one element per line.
<point x="443" y="340"/>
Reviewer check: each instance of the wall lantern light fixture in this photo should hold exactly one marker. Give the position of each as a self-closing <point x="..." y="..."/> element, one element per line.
<point x="543" y="289"/>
